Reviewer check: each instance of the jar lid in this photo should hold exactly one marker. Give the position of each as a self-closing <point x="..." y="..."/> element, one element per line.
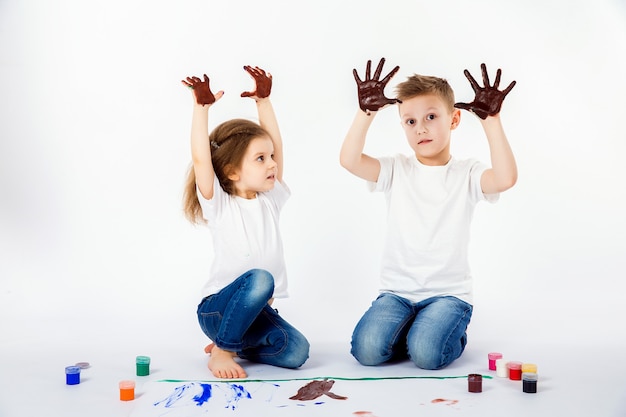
<point x="127" y="384"/>
<point x="494" y="355"/>
<point x="514" y="365"/>
<point x="529" y="376"/>
<point x="72" y="369"/>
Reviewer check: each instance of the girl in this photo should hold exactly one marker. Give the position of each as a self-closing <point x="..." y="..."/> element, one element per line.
<point x="235" y="184"/>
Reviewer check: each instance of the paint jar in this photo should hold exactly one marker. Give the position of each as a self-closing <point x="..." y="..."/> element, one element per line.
<point x="143" y="365"/>
<point x="475" y="383"/>
<point x="529" y="382"/>
<point x="515" y="370"/>
<point x="501" y="370"/>
<point x="72" y="375"/>
<point x="127" y="390"/>
<point x="529" y="368"/>
<point x="493" y="356"/>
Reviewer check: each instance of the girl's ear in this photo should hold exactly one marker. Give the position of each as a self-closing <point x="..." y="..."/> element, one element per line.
<point x="456" y="119"/>
<point x="231" y="173"/>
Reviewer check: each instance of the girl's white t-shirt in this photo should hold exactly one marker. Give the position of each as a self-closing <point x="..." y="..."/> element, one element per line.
<point x="429" y="212"/>
<point x="246" y="236"/>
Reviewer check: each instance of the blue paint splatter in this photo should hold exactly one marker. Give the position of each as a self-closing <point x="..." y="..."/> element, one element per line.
<point x="183" y="391"/>
<point x="175" y="396"/>
<point x="204" y="396"/>
<point x="238" y="392"/>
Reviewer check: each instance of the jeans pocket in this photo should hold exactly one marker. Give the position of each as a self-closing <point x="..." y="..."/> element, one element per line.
<point x="210" y="323"/>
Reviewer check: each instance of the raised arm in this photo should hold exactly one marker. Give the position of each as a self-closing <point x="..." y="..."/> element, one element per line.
<point x="267" y="117"/>
<point x="351" y="156"/>
<point x="200" y="146"/>
<point x="503" y="172"/>
<point x="486" y="105"/>
<point x="371" y="99"/>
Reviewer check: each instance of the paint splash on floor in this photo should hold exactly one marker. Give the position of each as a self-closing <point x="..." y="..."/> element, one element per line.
<point x="316" y="389"/>
<point x="443" y="400"/>
<point x="198" y="393"/>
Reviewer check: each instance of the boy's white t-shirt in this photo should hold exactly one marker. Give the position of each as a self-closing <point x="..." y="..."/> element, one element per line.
<point x="429" y="212"/>
<point x="246" y="236"/>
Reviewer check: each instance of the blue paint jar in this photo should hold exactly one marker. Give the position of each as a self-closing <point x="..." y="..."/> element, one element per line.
<point x="529" y="382"/>
<point x="72" y="375"/>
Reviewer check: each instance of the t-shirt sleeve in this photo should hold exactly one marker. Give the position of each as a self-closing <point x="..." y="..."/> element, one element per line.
<point x="476" y="173"/>
<point x="210" y="206"/>
<point x="280" y="193"/>
<point x="384" y="177"/>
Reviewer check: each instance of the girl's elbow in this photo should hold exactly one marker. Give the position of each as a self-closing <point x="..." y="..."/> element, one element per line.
<point x="346" y="163"/>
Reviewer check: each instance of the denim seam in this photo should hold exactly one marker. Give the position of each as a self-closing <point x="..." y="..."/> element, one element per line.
<point x="465" y="312"/>
<point x="285" y="334"/>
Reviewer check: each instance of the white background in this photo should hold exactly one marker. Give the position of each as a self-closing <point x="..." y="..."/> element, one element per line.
<point x="94" y="148"/>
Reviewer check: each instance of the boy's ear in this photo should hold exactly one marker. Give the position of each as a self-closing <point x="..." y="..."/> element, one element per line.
<point x="456" y="119"/>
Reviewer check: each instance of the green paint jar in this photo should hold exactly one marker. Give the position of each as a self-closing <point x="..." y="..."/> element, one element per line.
<point x="143" y="365"/>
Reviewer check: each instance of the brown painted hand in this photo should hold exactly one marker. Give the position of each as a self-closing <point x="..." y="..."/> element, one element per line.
<point x="201" y="90"/>
<point x="488" y="99"/>
<point x="371" y="90"/>
<point x="262" y="80"/>
<point x="315" y="389"/>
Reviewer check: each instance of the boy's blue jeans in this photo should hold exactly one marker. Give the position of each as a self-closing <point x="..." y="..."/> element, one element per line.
<point x="432" y="333"/>
<point x="239" y="319"/>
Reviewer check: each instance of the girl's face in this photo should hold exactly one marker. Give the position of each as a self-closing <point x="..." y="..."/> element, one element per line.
<point x="428" y="124"/>
<point x="258" y="169"/>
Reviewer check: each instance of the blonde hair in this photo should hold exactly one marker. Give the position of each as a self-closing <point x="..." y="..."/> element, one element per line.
<point x="419" y="85"/>
<point x="229" y="142"/>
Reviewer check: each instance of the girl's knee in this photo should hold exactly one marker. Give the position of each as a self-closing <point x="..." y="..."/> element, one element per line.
<point x="298" y="352"/>
<point x="262" y="281"/>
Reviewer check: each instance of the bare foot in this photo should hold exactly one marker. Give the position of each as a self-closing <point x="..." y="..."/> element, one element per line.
<point x="222" y="363"/>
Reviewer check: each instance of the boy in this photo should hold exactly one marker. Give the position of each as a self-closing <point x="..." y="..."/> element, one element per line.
<point x="424" y="305"/>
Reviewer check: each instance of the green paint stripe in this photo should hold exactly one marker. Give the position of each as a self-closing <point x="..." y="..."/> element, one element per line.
<point x="338" y="378"/>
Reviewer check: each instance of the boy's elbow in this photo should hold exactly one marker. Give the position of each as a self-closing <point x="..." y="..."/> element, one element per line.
<point x="507" y="183"/>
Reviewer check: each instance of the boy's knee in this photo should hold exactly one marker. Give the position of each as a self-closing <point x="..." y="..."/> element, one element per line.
<point x="430" y="358"/>
<point x="428" y="362"/>
<point x="367" y="354"/>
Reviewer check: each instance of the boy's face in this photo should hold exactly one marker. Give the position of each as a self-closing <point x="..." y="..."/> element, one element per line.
<point x="428" y="124"/>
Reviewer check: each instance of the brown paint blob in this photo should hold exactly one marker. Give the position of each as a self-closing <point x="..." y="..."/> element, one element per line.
<point x="262" y="80"/>
<point x="315" y="389"/>
<point x="443" y="400"/>
<point x="201" y="89"/>
<point x="371" y="90"/>
<point x="488" y="99"/>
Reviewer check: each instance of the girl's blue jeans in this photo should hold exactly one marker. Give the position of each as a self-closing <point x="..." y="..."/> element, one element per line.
<point x="239" y="319"/>
<point x="432" y="333"/>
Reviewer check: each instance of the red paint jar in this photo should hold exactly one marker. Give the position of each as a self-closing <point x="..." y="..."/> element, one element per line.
<point x="515" y="370"/>
<point x="493" y="356"/>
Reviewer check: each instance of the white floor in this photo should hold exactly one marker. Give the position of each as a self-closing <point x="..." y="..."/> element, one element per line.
<point x="575" y="380"/>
